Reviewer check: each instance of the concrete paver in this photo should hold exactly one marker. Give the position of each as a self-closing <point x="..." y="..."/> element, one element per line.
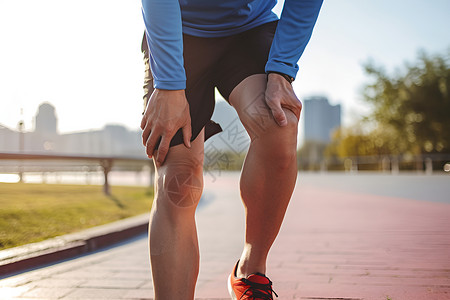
<point x="336" y="243"/>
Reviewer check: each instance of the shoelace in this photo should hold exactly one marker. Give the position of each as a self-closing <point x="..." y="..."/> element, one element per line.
<point x="259" y="290"/>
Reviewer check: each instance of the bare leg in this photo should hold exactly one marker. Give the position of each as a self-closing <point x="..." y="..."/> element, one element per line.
<point x="173" y="240"/>
<point x="269" y="172"/>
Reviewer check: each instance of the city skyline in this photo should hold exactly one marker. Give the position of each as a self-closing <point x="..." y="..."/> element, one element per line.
<point x="93" y="71"/>
<point x="111" y="140"/>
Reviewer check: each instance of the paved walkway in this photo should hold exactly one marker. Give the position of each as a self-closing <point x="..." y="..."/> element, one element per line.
<point x="334" y="244"/>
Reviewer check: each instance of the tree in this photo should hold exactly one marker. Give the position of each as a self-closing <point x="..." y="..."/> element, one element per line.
<point x="413" y="106"/>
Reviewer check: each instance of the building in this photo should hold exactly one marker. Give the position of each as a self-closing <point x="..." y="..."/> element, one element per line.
<point x="9" y="139"/>
<point x="45" y="121"/>
<point x="321" y="119"/>
<point x="112" y="140"/>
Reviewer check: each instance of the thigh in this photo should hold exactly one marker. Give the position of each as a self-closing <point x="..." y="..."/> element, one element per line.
<point x="248" y="100"/>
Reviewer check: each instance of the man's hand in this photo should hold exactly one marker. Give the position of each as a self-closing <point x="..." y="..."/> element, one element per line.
<point x="166" y="112"/>
<point x="279" y="93"/>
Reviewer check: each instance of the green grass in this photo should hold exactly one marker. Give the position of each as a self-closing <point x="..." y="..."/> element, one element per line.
<point x="35" y="212"/>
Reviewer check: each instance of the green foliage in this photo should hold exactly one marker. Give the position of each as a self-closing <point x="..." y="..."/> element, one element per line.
<point x="353" y="141"/>
<point x="414" y="104"/>
<point x="410" y="111"/>
<point x="34" y="212"/>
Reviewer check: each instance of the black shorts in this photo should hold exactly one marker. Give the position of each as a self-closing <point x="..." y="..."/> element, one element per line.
<point x="221" y="62"/>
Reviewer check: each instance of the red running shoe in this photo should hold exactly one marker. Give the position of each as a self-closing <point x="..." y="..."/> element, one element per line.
<point x="254" y="287"/>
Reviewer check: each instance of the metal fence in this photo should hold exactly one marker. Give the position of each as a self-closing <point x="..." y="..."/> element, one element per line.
<point x="427" y="163"/>
<point x="20" y="163"/>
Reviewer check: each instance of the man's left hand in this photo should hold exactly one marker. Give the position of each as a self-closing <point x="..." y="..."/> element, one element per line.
<point x="280" y="94"/>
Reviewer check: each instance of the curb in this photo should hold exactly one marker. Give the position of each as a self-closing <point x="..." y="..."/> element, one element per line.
<point x="21" y="258"/>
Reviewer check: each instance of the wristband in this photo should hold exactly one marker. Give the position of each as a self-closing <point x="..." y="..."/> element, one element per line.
<point x="285" y="76"/>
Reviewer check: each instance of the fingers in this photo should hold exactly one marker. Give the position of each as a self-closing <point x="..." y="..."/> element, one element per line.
<point x="295" y="107"/>
<point x="187" y="134"/>
<point x="166" y="113"/>
<point x="143" y="122"/>
<point x="151" y="142"/>
<point x="277" y="112"/>
<point x="280" y="94"/>
<point x="162" y="150"/>
<point x="288" y="101"/>
<point x="162" y="135"/>
<point x="146" y="133"/>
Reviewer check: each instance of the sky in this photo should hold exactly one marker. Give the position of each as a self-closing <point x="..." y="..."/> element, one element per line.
<point x="84" y="56"/>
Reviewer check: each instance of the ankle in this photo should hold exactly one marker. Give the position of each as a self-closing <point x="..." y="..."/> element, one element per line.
<point x="248" y="266"/>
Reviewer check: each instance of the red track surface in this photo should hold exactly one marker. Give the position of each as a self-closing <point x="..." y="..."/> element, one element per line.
<point x="334" y="244"/>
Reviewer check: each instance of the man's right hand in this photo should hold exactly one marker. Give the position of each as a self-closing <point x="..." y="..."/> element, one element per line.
<point x="166" y="112"/>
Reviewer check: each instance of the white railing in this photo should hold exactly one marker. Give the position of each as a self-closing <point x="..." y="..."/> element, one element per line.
<point x="20" y="163"/>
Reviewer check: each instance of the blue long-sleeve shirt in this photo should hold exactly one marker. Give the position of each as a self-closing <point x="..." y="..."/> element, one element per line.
<point x="167" y="20"/>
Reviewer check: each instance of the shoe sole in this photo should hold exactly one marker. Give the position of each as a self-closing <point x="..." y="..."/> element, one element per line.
<point x="230" y="289"/>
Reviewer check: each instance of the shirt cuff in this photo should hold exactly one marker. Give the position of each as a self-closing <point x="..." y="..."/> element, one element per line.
<point x="280" y="68"/>
<point x="170" y="85"/>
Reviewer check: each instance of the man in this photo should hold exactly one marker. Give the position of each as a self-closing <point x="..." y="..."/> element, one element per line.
<point x="240" y="47"/>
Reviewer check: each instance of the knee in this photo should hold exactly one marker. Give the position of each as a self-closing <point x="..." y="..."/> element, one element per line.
<point x="283" y="156"/>
<point x="181" y="184"/>
<point x="260" y="123"/>
<point x="280" y="142"/>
